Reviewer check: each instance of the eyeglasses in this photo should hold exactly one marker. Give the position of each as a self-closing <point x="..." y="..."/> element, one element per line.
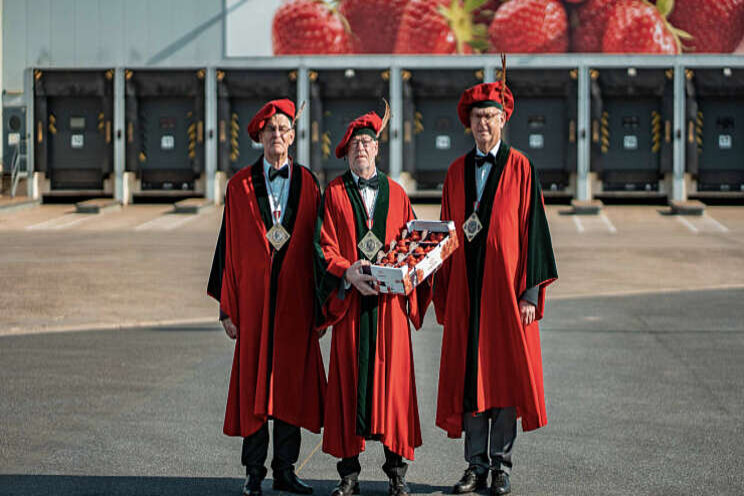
<point x="365" y="142"/>
<point x="488" y="116"/>
<point x="282" y="129"/>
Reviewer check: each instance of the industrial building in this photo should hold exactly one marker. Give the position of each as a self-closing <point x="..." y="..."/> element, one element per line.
<point x="123" y="99"/>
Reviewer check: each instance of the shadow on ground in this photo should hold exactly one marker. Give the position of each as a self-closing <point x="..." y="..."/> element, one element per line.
<point x="81" y="485"/>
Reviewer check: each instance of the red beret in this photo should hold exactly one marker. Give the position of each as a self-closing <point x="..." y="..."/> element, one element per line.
<point x="484" y="93"/>
<point x="283" y="106"/>
<point x="370" y="121"/>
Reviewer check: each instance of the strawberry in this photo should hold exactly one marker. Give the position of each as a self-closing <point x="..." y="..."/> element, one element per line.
<point x="529" y="26"/>
<point x="302" y="27"/>
<point x="371" y="31"/>
<point x="441" y="27"/>
<point x="716" y="26"/>
<point x="740" y="47"/>
<point x="636" y="26"/>
<point x="588" y="23"/>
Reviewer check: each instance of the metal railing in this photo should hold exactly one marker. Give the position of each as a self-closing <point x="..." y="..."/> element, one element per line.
<point x="15" y="169"/>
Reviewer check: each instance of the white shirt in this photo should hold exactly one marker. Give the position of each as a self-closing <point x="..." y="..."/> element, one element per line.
<point x="369" y="195"/>
<point x="481" y="174"/>
<point x="278" y="189"/>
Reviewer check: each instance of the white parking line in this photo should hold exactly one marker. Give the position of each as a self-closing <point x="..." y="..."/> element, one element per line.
<point x="180" y="222"/>
<point x="610" y="226"/>
<point x="73" y="222"/>
<point x="716" y="224"/>
<point x="44" y="224"/>
<point x="681" y="219"/>
<point x="62" y="222"/>
<point x="166" y="222"/>
<point x="579" y="225"/>
<point x="149" y="223"/>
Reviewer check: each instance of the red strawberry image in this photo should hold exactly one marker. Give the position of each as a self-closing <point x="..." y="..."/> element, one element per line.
<point x="303" y="27"/>
<point x="374" y="23"/>
<point x="441" y="27"/>
<point x="588" y="23"/>
<point x="636" y="26"/>
<point x="529" y="26"/>
<point x="716" y="26"/>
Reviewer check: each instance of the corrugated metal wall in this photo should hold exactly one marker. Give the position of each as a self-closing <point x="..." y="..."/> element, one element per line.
<point x="107" y="33"/>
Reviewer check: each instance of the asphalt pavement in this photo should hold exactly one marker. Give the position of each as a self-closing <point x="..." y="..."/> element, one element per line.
<point x="644" y="396"/>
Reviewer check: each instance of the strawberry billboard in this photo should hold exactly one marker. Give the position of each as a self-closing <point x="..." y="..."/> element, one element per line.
<point x="451" y="27"/>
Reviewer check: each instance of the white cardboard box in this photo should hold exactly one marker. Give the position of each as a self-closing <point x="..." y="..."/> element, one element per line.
<point x="402" y="280"/>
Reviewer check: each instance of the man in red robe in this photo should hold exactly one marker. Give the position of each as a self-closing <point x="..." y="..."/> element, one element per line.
<point x="371" y="389"/>
<point x="490" y="294"/>
<point x="262" y="275"/>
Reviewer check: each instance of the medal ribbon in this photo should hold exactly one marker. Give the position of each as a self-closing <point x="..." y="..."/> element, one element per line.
<point x="275" y="201"/>
<point x="476" y="203"/>
<point x="370" y="215"/>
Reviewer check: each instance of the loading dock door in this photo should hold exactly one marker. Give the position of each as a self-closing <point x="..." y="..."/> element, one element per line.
<point x="721" y="166"/>
<point x="538" y="128"/>
<point x="72" y="133"/>
<point x="165" y="128"/>
<point x="631" y="161"/>
<point x="78" y="136"/>
<point x="440" y="140"/>
<point x="170" y="135"/>
<point x="438" y="135"/>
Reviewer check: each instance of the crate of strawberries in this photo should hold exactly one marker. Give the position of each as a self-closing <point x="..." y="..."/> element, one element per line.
<point x="414" y="255"/>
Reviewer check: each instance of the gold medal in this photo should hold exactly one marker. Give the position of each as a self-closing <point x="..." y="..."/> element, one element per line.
<point x="472" y="226"/>
<point x="370" y="245"/>
<point x="277" y="236"/>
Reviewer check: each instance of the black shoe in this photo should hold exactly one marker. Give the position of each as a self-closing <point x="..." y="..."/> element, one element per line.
<point x="347" y="487"/>
<point x="252" y="486"/>
<point x="500" y="483"/>
<point x="398" y="486"/>
<point x="470" y="482"/>
<point x="287" y="480"/>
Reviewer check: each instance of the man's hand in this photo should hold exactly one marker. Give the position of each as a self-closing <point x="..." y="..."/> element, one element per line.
<point x="527" y="312"/>
<point x="365" y="284"/>
<point x="230" y="329"/>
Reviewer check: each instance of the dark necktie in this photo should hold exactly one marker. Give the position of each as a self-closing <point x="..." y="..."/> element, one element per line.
<point x="481" y="160"/>
<point x="284" y="172"/>
<point x="373" y="183"/>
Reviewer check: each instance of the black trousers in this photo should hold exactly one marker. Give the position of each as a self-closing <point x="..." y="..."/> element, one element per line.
<point x="287" y="439"/>
<point x="394" y="465"/>
<point x="501" y="433"/>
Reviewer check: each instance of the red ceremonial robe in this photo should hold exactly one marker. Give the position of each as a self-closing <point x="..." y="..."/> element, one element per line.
<point x="371" y="384"/>
<point x="269" y="295"/>
<point x="489" y="358"/>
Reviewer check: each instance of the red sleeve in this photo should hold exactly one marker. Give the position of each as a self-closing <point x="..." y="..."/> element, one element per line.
<point x="530" y="188"/>
<point x="332" y="266"/>
<point x="441" y="278"/>
<point x="420" y="297"/>
<point x="229" y="293"/>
